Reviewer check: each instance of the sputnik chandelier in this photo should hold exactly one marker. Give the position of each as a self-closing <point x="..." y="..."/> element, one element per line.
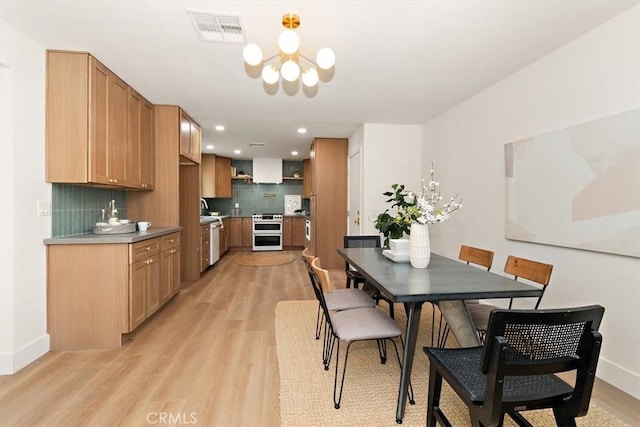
<point x="293" y="63"/>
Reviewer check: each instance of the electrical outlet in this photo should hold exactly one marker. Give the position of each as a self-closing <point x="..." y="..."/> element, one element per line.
<point x="44" y="208"/>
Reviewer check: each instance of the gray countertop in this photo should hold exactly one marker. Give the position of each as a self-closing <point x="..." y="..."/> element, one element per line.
<point x="97" y="239"/>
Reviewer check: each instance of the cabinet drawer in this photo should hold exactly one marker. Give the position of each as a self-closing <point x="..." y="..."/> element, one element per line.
<point x="169" y="241"/>
<point x="143" y="250"/>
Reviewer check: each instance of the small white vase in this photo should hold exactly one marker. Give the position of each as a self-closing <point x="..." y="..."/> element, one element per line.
<point x="419" y="246"/>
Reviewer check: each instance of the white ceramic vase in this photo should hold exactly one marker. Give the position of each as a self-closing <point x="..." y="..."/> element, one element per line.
<point x="419" y="246"/>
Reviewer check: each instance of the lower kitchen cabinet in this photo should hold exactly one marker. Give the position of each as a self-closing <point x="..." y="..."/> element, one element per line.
<point x="247" y="233"/>
<point x="293" y="231"/>
<point x="235" y="233"/>
<point x="224" y="235"/>
<point x="169" y="266"/>
<point x="97" y="292"/>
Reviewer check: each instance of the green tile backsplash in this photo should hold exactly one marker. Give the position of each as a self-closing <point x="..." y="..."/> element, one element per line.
<point x="75" y="208"/>
<point x="259" y="198"/>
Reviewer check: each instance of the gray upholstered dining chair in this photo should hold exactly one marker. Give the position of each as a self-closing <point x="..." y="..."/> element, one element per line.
<point x="335" y="299"/>
<point x="354" y="276"/>
<point x="351" y="326"/>
<point x="470" y="255"/>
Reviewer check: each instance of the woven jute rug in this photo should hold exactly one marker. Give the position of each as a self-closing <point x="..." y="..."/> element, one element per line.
<point x="371" y="389"/>
<point x="264" y="259"/>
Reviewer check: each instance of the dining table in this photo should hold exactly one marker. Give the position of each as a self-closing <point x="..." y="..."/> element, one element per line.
<point x="445" y="281"/>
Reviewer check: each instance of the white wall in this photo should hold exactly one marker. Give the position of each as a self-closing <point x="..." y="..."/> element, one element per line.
<point x="594" y="76"/>
<point x="389" y="154"/>
<point x="23" y="331"/>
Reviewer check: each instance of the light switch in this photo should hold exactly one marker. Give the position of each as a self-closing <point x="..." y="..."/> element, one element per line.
<point x="44" y="208"/>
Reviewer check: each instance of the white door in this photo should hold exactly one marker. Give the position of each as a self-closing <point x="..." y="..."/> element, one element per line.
<point x="354" y="217"/>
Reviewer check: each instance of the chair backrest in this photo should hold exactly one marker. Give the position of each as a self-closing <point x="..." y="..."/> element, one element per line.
<point x="539" y="342"/>
<point x="534" y="271"/>
<point x="372" y="241"/>
<point x="322" y="275"/>
<point x="361" y="241"/>
<point x="477" y="256"/>
<point x="318" y="290"/>
<point x="307" y="257"/>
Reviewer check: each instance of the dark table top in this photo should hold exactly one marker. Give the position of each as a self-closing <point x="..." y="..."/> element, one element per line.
<point x="444" y="279"/>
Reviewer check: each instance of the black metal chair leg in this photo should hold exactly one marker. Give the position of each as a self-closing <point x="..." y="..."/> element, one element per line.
<point x="433" y="397"/>
<point x="382" y="350"/>
<point x="336" y="402"/>
<point x="563" y="419"/>
<point x="319" y="319"/>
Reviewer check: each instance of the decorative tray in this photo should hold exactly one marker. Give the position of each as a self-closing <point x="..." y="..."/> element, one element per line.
<point x="114" y="229"/>
<point x="395" y="257"/>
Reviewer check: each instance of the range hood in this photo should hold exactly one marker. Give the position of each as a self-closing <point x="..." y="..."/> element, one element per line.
<point x="267" y="171"/>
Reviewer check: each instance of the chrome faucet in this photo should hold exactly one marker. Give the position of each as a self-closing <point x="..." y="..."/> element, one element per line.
<point x="203" y="205"/>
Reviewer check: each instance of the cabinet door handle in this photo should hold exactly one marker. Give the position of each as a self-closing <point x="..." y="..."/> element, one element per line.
<point x="148" y="248"/>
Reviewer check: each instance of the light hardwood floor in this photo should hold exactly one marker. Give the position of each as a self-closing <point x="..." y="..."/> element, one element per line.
<point x="207" y="357"/>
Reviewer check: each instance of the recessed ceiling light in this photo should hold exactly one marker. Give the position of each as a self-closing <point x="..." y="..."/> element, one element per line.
<point x="237" y="151"/>
<point x="209" y="147"/>
<point x="302" y="130"/>
<point x="219" y="128"/>
<point x="294" y="153"/>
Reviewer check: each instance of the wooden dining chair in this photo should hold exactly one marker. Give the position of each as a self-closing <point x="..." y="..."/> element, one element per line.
<point x="335" y="300"/>
<point x="351" y="326"/>
<point x="514" y="371"/>
<point x="470" y="255"/>
<point x="520" y="268"/>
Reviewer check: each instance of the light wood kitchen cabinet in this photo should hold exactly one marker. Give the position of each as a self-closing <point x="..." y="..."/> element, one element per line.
<point x="297" y="232"/>
<point x="97" y="292"/>
<point x="208" y="173"/>
<point x="87" y="135"/>
<point x="235" y="233"/>
<point x="293" y="232"/>
<point x="306" y="178"/>
<point x="223" y="177"/>
<point x="144" y="281"/>
<point x="169" y="266"/>
<point x="224" y="236"/>
<point x="329" y="199"/>
<point x="247" y="233"/>
<point x="140" y="157"/>
<point x="190" y="140"/>
<point x="205" y="246"/>
<point x="176" y="195"/>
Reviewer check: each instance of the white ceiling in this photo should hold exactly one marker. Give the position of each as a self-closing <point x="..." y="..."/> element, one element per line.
<point x="397" y="61"/>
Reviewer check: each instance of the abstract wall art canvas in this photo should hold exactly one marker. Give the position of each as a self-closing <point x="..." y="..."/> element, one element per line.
<point x="577" y="187"/>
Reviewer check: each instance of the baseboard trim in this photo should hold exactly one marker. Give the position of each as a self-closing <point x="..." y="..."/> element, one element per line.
<point x="10" y="363"/>
<point x="619" y="377"/>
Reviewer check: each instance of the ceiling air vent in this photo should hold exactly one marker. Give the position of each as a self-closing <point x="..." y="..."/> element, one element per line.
<point x="217" y="27"/>
<point x="258" y="144"/>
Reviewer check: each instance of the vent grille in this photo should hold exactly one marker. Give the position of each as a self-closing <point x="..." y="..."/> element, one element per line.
<point x="217" y="27"/>
<point x="258" y="144"/>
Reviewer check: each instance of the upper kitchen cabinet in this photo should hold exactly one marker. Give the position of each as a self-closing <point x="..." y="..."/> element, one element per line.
<point x="208" y="172"/>
<point x="87" y="113"/>
<point x="329" y="199"/>
<point x="223" y="177"/>
<point x="190" y="140"/>
<point x="140" y="157"/>
<point x="306" y="178"/>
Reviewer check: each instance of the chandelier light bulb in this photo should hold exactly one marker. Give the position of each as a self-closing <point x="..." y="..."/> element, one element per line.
<point x="270" y="74"/>
<point x="288" y="42"/>
<point x="290" y="70"/>
<point x="310" y="77"/>
<point x="252" y="54"/>
<point x="325" y="58"/>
